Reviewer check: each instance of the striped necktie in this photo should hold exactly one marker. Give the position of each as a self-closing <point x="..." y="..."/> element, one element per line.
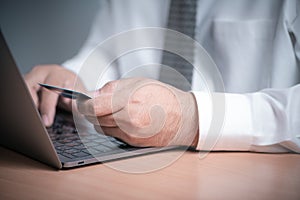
<point x="182" y="18"/>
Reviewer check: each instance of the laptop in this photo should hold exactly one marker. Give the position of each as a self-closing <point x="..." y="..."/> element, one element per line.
<point x="60" y="146"/>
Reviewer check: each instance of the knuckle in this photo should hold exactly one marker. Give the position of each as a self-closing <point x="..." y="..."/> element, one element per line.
<point x="139" y="119"/>
<point x="58" y="67"/>
<point x="109" y="86"/>
<point x="135" y="121"/>
<point x="138" y="122"/>
<point x="36" y="68"/>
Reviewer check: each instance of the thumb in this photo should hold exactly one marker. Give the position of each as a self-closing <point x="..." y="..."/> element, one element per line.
<point x="101" y="105"/>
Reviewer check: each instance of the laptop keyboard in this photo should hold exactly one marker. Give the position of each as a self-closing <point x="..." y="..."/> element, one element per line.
<point x="69" y="144"/>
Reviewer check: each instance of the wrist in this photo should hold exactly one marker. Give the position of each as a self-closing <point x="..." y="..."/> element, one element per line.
<point x="189" y="129"/>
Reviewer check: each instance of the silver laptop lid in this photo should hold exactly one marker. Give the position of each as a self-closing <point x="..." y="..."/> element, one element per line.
<point x="21" y="127"/>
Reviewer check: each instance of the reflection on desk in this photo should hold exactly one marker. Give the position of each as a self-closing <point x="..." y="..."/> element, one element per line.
<point x="220" y="175"/>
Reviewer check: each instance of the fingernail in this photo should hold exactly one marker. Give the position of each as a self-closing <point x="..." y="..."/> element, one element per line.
<point x="46" y="120"/>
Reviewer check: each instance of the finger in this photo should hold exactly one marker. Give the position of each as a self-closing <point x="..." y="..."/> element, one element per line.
<point x="31" y="82"/>
<point x="93" y="120"/>
<point x="65" y="103"/>
<point x="107" y="121"/>
<point x="100" y="106"/>
<point x="121" y="135"/>
<point x="33" y="77"/>
<point x="34" y="95"/>
<point x="47" y="106"/>
<point x="109" y="87"/>
<point x="115" y="132"/>
<point x="86" y="107"/>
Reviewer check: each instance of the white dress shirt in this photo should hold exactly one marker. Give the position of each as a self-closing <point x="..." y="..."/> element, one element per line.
<point x="256" y="47"/>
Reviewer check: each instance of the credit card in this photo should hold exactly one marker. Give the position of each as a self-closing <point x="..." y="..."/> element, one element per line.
<point x="71" y="94"/>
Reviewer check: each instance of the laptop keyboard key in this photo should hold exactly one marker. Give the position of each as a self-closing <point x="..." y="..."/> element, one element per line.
<point x="67" y="155"/>
<point x="73" y="145"/>
<point x="91" y="144"/>
<point x="80" y="154"/>
<point x="72" y="151"/>
<point x="102" y="148"/>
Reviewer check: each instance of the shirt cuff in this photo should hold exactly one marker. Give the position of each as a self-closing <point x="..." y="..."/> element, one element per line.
<point x="224" y="121"/>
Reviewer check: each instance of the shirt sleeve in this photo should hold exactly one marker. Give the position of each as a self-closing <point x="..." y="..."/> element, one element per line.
<point x="266" y="121"/>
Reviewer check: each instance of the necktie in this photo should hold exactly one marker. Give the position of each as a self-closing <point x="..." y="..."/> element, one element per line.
<point x="182" y="18"/>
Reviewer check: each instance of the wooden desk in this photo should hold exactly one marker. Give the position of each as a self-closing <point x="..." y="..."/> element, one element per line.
<point x="218" y="176"/>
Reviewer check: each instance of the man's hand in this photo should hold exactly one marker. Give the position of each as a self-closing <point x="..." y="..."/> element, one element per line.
<point x="44" y="99"/>
<point x="144" y="112"/>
